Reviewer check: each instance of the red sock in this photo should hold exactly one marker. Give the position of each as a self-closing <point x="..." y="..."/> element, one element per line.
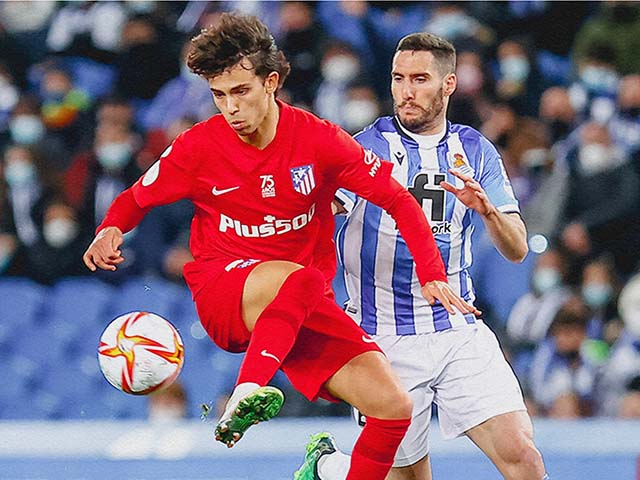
<point x="277" y="327"/>
<point x="376" y="447"/>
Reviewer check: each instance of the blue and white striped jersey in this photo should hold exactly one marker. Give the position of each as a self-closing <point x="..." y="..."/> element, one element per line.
<point x="384" y="292"/>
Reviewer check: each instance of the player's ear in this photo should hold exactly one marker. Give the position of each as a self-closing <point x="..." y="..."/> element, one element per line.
<point x="271" y="82"/>
<point x="449" y="84"/>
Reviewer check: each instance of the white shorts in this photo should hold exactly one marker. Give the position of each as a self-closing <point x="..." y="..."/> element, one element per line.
<point x="463" y="371"/>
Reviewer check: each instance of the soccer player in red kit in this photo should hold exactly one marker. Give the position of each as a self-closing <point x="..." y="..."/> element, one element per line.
<point x="262" y="176"/>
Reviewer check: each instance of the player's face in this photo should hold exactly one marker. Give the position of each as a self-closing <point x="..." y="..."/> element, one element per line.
<point x="243" y="98"/>
<point x="420" y="92"/>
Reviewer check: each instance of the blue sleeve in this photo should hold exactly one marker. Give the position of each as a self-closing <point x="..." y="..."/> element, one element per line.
<point x="494" y="179"/>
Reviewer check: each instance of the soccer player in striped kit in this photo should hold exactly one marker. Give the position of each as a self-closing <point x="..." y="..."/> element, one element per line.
<point x="452" y="360"/>
<point x="262" y="176"/>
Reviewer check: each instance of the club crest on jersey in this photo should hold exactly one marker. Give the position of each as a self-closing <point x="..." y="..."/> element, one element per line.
<point x="303" y="179"/>
<point x="458" y="161"/>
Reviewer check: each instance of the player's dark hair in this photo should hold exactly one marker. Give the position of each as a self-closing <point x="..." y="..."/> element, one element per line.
<point x="232" y="39"/>
<point x="442" y="50"/>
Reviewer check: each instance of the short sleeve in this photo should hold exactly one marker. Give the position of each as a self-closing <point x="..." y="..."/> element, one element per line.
<point x="169" y="179"/>
<point x="494" y="180"/>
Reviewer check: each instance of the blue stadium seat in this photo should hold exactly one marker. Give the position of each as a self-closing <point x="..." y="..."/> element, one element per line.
<point x="150" y="295"/>
<point x="81" y="300"/>
<point x="21" y="301"/>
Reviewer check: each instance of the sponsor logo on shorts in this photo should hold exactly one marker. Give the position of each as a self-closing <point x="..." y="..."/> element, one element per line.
<point x="272" y="225"/>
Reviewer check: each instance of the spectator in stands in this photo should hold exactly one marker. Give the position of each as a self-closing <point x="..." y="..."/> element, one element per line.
<point x="302" y="41"/>
<point x="561" y="378"/>
<point x="557" y="112"/>
<point x="599" y="290"/>
<point x="616" y="23"/>
<point x="55" y="255"/>
<point x="87" y="29"/>
<point x="593" y="92"/>
<point x="147" y="61"/>
<point x="625" y="124"/>
<point x="601" y="213"/>
<point x="618" y="391"/>
<point x="518" y="79"/>
<point x="533" y="313"/>
<point x="30" y="184"/>
<point x="340" y="67"/>
<point x="98" y="175"/>
<point x="360" y="109"/>
<point x="65" y="110"/>
<point x="186" y="95"/>
<point x="470" y="102"/>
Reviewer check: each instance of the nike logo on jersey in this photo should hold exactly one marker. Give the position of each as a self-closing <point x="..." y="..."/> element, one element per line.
<point x="366" y="339"/>
<point x="264" y="353"/>
<point x="217" y="192"/>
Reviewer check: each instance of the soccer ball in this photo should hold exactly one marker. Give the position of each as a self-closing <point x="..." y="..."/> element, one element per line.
<point x="140" y="353"/>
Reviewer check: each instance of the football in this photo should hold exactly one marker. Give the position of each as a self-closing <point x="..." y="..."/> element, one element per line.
<point x="140" y="352"/>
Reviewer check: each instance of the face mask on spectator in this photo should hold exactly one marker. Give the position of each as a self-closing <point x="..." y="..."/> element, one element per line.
<point x="59" y="232"/>
<point x="358" y="114"/>
<point x="19" y="174"/>
<point x="451" y="25"/>
<point x="26" y="129"/>
<point x="594" y="158"/>
<point x="114" y="156"/>
<point x="596" y="294"/>
<point x="545" y="279"/>
<point x="599" y="79"/>
<point x="515" y="68"/>
<point x="340" y="69"/>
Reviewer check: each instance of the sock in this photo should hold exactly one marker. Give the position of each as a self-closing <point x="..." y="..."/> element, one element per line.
<point x="277" y="327"/>
<point x="334" y="466"/>
<point x="376" y="447"/>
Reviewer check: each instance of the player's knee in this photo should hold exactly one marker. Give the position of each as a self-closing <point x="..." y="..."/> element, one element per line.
<point x="523" y="459"/>
<point x="395" y="403"/>
<point x="309" y="285"/>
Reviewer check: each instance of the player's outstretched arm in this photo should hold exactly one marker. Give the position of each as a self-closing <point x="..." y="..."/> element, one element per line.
<point x="441" y="291"/>
<point x="104" y="252"/>
<point x="507" y="230"/>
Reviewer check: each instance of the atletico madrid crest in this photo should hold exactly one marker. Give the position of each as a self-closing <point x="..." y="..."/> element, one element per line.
<point x="303" y="180"/>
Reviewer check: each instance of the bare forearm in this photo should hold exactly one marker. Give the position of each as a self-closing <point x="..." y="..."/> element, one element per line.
<point x="508" y="233"/>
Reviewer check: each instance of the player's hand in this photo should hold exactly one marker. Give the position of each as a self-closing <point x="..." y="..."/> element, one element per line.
<point x="441" y="291"/>
<point x="104" y="252"/>
<point x="471" y="194"/>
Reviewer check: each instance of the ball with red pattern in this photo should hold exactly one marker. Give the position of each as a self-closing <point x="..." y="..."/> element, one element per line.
<point x="140" y="352"/>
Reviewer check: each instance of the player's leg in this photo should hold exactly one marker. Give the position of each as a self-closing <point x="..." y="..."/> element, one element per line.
<point x="507" y="440"/>
<point x="479" y="395"/>
<point x="421" y="470"/>
<point x="414" y="361"/>
<point x="277" y="297"/>
<point x="368" y="383"/>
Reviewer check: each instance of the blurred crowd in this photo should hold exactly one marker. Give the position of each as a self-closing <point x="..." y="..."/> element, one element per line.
<point x="91" y="93"/>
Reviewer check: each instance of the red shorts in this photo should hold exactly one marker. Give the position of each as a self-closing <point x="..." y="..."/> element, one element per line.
<point x="327" y="340"/>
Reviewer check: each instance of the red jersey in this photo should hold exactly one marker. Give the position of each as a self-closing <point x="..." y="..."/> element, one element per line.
<point x="274" y="203"/>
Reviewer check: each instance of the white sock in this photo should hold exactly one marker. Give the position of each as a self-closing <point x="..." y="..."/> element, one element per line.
<point x="334" y="466"/>
<point x="241" y="391"/>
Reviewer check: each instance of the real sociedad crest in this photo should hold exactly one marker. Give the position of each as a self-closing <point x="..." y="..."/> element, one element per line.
<point x="303" y="180"/>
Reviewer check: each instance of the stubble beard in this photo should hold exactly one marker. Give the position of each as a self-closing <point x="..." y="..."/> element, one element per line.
<point x="424" y="121"/>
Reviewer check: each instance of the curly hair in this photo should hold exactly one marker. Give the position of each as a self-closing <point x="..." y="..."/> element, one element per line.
<point x="234" y="38"/>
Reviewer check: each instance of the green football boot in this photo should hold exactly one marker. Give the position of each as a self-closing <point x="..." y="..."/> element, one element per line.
<point x="319" y="445"/>
<point x="260" y="405"/>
